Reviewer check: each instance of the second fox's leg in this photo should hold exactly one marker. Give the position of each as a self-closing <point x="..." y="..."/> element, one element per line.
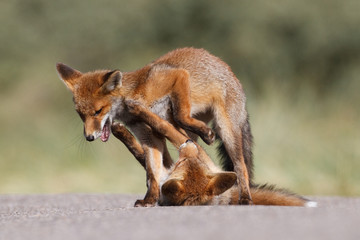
<point x="123" y="134"/>
<point x="167" y="160"/>
<point x="153" y="150"/>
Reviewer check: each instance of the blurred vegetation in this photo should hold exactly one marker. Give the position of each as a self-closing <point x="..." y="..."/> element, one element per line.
<point x="299" y="62"/>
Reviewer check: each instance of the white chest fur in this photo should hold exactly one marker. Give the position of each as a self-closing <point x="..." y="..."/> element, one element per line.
<point x="162" y="107"/>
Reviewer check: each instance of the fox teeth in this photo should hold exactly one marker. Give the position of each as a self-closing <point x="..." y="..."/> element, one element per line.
<point x="105" y="132"/>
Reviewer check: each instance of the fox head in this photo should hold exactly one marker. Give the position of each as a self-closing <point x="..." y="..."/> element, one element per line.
<point x="191" y="182"/>
<point x="93" y="98"/>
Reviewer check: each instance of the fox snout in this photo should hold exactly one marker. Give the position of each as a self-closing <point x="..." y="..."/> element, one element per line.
<point x="90" y="138"/>
<point x="94" y="129"/>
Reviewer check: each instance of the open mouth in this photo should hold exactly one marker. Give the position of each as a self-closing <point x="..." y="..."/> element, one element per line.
<point x="105" y="133"/>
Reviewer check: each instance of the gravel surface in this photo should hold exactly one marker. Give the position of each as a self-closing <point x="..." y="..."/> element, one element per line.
<point x="112" y="216"/>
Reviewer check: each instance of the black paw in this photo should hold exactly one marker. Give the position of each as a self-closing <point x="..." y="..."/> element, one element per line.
<point x="209" y="137"/>
<point x="144" y="203"/>
<point x="246" y="201"/>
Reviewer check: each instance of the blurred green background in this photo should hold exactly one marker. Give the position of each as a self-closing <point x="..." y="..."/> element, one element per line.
<point x="299" y="62"/>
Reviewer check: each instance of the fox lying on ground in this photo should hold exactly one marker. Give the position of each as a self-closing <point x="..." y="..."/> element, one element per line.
<point x="187" y="87"/>
<point x="194" y="179"/>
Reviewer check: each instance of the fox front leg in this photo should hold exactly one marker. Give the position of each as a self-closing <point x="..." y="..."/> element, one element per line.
<point x="158" y="124"/>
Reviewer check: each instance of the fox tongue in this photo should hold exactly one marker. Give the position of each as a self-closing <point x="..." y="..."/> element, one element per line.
<point x="105" y="134"/>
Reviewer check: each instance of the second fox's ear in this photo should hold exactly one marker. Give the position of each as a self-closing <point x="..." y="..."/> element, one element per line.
<point x="68" y="75"/>
<point x="220" y="182"/>
<point x="111" y="81"/>
<point x="172" y="188"/>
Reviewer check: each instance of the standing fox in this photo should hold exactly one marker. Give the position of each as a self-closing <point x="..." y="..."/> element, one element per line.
<point x="187" y="87"/>
<point x="194" y="179"/>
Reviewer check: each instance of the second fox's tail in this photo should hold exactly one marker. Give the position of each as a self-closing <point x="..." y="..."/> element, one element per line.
<point x="270" y="195"/>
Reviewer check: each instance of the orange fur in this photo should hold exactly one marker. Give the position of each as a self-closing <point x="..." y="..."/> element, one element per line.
<point x="184" y="86"/>
<point x="194" y="179"/>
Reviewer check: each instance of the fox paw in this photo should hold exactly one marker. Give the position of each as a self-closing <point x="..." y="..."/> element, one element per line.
<point x="246" y="201"/>
<point x="144" y="203"/>
<point x="117" y="127"/>
<point x="209" y="137"/>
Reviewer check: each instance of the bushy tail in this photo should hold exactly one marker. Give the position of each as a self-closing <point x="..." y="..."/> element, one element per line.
<point x="270" y="195"/>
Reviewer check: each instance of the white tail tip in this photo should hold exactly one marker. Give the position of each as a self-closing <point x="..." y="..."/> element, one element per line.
<point x="311" y="204"/>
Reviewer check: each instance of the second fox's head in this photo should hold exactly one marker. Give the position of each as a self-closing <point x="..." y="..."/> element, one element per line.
<point x="93" y="94"/>
<point x="191" y="181"/>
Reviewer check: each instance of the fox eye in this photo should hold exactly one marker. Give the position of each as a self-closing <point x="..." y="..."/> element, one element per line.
<point x="98" y="112"/>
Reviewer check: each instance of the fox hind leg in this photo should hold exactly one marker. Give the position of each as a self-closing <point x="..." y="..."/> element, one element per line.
<point x="181" y="104"/>
<point x="234" y="148"/>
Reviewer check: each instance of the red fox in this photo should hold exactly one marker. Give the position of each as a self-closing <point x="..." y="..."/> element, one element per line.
<point x="188" y="87"/>
<point x="194" y="179"/>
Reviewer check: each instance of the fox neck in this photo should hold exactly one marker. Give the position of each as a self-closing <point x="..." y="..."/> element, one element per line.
<point x="128" y="89"/>
<point x="117" y="108"/>
<point x="131" y="80"/>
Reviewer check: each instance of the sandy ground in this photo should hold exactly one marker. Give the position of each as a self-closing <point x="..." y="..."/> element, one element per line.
<point x="111" y="216"/>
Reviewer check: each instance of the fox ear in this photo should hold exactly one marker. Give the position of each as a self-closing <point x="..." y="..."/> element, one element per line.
<point x="111" y="81"/>
<point x="172" y="188"/>
<point x="68" y="75"/>
<point x="220" y="182"/>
